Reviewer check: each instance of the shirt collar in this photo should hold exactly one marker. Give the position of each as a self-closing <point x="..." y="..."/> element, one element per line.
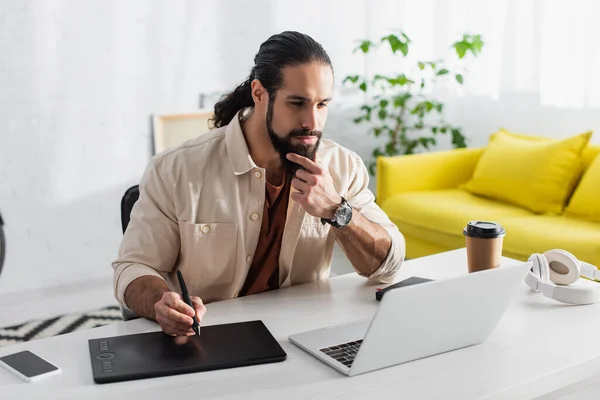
<point x="239" y="156"/>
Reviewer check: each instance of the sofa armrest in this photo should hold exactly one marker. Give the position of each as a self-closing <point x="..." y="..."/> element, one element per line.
<point x="425" y="171"/>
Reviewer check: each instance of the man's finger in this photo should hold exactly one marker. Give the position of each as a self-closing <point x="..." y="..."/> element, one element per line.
<point x="176" y="316"/>
<point x="178" y="304"/>
<point x="308" y="164"/>
<point x="306" y="177"/>
<point x="199" y="306"/>
<point x="297" y="197"/>
<point x="175" y="332"/>
<point x="300" y="185"/>
<point x="173" y="318"/>
<point x="172" y="326"/>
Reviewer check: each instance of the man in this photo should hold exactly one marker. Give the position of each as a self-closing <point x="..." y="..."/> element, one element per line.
<point x="257" y="203"/>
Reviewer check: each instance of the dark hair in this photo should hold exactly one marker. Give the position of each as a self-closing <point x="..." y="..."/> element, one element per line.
<point x="284" y="49"/>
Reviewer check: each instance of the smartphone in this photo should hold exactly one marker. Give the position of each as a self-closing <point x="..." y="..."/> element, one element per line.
<point x="28" y="366"/>
<point x="414" y="280"/>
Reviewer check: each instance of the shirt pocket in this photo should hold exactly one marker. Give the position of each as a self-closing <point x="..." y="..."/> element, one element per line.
<point x="208" y="252"/>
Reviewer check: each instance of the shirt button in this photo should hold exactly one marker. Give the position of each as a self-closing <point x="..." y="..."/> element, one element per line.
<point x="205" y="229"/>
<point x="248" y="259"/>
<point x="254" y="216"/>
<point x="257" y="174"/>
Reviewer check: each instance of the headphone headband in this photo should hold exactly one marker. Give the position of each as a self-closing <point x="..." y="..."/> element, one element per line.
<point x="589" y="271"/>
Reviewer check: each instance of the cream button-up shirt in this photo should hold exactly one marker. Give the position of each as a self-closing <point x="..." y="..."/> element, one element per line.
<point x="200" y="211"/>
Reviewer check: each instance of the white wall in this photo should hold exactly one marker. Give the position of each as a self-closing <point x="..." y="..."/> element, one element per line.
<point x="80" y="79"/>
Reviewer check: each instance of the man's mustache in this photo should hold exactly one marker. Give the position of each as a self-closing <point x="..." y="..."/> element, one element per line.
<point x="302" y="132"/>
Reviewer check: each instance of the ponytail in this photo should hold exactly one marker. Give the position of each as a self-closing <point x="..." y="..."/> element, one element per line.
<point x="233" y="102"/>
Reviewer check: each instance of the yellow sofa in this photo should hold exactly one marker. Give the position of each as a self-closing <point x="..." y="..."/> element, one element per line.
<point x="423" y="195"/>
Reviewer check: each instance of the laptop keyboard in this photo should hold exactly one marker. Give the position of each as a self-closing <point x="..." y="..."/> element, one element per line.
<point x="343" y="353"/>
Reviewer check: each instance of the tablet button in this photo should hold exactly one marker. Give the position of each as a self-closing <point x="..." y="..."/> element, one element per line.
<point x="105" y="356"/>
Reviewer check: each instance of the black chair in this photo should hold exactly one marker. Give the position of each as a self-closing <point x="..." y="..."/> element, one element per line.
<point x="2" y="244"/>
<point x="127" y="202"/>
<point x="129" y="198"/>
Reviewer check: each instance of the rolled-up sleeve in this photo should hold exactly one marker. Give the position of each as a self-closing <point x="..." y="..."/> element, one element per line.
<point x="362" y="199"/>
<point x="151" y="241"/>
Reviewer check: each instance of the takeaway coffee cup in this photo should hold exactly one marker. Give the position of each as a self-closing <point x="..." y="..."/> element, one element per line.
<point x="484" y="244"/>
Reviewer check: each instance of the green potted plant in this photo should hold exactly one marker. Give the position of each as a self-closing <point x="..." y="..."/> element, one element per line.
<point x="398" y="107"/>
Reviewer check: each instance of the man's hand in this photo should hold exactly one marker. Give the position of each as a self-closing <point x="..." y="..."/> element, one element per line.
<point x="175" y="317"/>
<point x="317" y="194"/>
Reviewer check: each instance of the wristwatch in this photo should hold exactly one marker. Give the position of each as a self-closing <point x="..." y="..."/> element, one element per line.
<point x="342" y="216"/>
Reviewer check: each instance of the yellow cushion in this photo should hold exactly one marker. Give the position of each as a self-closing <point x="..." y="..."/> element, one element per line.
<point x="585" y="202"/>
<point x="589" y="154"/>
<point x="536" y="173"/>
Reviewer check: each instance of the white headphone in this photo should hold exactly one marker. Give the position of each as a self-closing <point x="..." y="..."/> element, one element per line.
<point x="554" y="273"/>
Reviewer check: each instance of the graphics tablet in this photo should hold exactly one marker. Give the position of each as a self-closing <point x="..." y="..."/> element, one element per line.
<point x="154" y="354"/>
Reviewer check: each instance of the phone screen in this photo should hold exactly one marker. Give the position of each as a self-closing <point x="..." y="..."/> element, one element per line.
<point x="28" y="364"/>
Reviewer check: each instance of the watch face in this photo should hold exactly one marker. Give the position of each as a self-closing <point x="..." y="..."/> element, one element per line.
<point x="344" y="215"/>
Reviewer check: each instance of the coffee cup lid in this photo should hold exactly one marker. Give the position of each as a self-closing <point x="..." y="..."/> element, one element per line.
<point x="484" y="229"/>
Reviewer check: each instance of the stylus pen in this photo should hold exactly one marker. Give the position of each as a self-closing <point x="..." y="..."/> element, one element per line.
<point x="188" y="301"/>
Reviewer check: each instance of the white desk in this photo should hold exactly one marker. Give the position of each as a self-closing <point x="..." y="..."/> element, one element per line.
<point x="536" y="338"/>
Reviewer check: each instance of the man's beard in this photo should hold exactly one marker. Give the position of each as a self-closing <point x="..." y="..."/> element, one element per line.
<point x="284" y="145"/>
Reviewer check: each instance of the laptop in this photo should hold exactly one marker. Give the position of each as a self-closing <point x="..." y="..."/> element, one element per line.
<point x="418" y="321"/>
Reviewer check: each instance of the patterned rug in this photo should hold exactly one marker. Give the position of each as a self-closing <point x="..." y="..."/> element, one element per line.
<point x="38" y="329"/>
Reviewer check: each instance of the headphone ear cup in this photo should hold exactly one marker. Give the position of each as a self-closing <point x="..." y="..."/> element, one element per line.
<point x="563" y="267"/>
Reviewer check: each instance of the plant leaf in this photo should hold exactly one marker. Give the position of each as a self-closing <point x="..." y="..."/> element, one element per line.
<point x="383" y="103"/>
<point x="365" y="46"/>
<point x="410" y="146"/>
<point x="351" y="78"/>
<point x="403" y="80"/>
<point x="421" y="65"/>
<point x="443" y="71"/>
<point x="400" y="100"/>
<point x="476" y="44"/>
<point x="404" y="48"/>
<point x="382" y="114"/>
<point x="390" y="149"/>
<point x="427" y="141"/>
<point x="363" y="86"/>
<point x="377" y="152"/>
<point x="472" y="43"/>
<point x="458" y="140"/>
<point x="459" y="78"/>
<point x="461" y="48"/>
<point x="372" y="167"/>
<point x="396" y="44"/>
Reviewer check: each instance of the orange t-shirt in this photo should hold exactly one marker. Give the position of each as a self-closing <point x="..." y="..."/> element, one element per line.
<point x="264" y="271"/>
